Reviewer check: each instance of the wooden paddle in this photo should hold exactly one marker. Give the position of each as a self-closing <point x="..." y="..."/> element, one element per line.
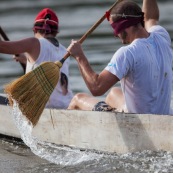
<point x="5" y="37"/>
<point x="32" y="90"/>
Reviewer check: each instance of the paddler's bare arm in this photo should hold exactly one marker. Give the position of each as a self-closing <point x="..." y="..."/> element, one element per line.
<point x="29" y="45"/>
<point x="151" y="10"/>
<point x="98" y="84"/>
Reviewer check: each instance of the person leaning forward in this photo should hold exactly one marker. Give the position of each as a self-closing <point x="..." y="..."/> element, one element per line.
<point x="43" y="47"/>
<point x="143" y="66"/>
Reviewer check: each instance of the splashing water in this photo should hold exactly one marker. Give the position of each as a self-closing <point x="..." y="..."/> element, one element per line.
<point x="51" y="152"/>
<point x="75" y="160"/>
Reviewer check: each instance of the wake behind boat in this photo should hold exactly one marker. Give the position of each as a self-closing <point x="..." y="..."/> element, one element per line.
<point x="101" y="131"/>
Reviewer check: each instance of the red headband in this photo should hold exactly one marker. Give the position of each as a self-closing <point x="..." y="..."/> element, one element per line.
<point x="46" y="26"/>
<point x="124" y="23"/>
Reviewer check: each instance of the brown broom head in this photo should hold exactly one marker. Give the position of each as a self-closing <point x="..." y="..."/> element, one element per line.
<point x="32" y="90"/>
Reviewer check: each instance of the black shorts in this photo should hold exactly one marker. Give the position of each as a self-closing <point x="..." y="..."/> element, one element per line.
<point x="102" y="106"/>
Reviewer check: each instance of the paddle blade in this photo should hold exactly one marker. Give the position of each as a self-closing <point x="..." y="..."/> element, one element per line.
<point x="32" y="90"/>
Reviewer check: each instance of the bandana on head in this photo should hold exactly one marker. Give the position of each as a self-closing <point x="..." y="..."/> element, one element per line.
<point x="125" y="21"/>
<point x="47" y="17"/>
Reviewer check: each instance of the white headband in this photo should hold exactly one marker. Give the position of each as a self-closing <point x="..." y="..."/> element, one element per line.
<point x="125" y="15"/>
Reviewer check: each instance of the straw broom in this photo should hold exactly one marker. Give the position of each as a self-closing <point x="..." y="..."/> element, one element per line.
<point x="32" y="90"/>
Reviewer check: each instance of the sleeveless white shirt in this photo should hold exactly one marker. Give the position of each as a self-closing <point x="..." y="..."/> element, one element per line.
<point x="49" y="52"/>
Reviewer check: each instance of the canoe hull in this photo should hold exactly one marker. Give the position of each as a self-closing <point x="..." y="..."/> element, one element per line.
<point x="102" y="131"/>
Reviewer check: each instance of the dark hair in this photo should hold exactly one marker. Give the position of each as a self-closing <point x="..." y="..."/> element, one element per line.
<point x="126" y="7"/>
<point x="64" y="79"/>
<point x="53" y="28"/>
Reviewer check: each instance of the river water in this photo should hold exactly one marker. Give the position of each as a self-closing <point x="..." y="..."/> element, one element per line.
<point x="76" y="17"/>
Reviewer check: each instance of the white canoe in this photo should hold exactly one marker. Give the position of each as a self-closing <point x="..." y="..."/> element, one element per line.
<point x="102" y="131"/>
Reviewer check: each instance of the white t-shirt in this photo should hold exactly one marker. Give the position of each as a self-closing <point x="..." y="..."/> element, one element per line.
<point x="49" y="52"/>
<point x="145" y="71"/>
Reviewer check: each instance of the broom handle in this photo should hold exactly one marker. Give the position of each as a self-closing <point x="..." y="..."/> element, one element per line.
<point x="5" y="37"/>
<point x="89" y="31"/>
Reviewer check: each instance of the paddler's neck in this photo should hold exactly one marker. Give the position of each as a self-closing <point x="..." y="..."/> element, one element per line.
<point x="39" y="35"/>
<point x="49" y="37"/>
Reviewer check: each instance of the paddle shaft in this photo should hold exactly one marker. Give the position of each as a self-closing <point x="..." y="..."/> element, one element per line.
<point x="5" y="37"/>
<point x="89" y="31"/>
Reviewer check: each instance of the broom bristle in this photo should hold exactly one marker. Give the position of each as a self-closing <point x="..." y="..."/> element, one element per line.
<point x="32" y="90"/>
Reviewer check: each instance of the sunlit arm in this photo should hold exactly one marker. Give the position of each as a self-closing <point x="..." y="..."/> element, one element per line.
<point x="151" y="11"/>
<point x="98" y="84"/>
